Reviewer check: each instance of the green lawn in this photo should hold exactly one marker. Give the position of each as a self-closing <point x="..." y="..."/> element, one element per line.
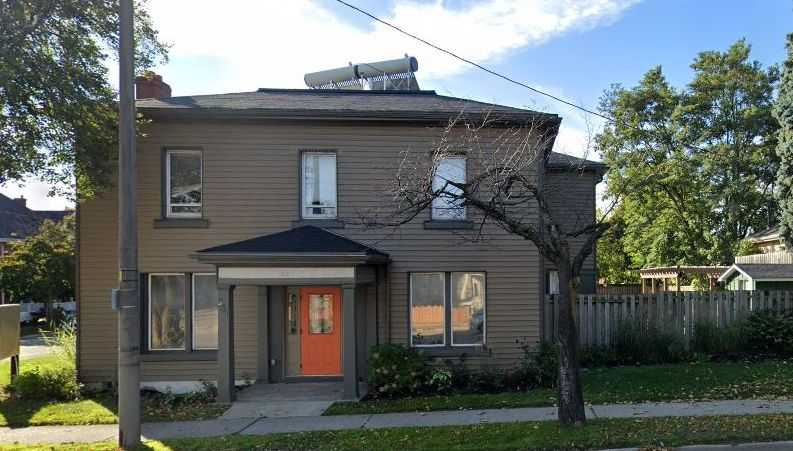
<point x="690" y="382"/>
<point x="93" y="409"/>
<point x="596" y="434"/>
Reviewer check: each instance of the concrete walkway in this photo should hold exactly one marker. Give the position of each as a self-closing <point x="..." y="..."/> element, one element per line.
<point x="264" y="426"/>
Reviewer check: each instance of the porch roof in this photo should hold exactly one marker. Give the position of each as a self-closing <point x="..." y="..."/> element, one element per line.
<point x="302" y="242"/>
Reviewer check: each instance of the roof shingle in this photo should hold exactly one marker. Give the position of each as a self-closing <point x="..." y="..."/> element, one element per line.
<point x="300" y="240"/>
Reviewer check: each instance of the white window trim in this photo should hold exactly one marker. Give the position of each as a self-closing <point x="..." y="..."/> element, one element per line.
<point x="303" y="205"/>
<point x="484" y="308"/>
<point x="192" y="310"/>
<point x="148" y="314"/>
<point x="464" y="210"/>
<point x="443" y="317"/>
<point x="168" y="205"/>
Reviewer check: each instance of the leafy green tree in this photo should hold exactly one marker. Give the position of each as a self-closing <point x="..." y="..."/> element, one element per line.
<point x="57" y="108"/>
<point x="41" y="268"/>
<point x="664" y="215"/>
<point x="693" y="167"/>
<point x="614" y="263"/>
<point x="783" y="111"/>
<point x="727" y="114"/>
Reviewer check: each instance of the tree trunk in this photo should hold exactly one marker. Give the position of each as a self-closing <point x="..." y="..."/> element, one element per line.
<point x="571" y="397"/>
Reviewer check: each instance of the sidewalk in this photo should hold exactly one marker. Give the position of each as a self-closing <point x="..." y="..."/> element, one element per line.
<point x="264" y="426"/>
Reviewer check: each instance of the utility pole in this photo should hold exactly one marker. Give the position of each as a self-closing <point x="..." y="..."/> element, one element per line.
<point x="127" y="299"/>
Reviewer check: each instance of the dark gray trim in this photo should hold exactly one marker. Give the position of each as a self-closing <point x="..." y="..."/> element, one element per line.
<point x="449" y="224"/>
<point x="276" y="296"/>
<point x="301" y="152"/>
<point x="262" y="338"/>
<point x="322" y="223"/>
<point x="456" y="351"/>
<point x="349" y="350"/>
<point x="179" y="356"/>
<point x="226" y="391"/>
<point x="181" y="223"/>
<point x="498" y="119"/>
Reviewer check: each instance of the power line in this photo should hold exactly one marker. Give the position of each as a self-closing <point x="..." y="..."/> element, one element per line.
<point x="475" y="64"/>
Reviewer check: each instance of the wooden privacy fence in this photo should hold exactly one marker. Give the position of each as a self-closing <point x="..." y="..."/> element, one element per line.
<point x="598" y="316"/>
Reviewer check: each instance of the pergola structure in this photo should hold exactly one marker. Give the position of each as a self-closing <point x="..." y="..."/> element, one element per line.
<point x="678" y="278"/>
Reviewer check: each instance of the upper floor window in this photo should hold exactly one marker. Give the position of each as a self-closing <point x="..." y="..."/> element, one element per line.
<point x="183" y="183"/>
<point x="447" y="206"/>
<point x="319" y="185"/>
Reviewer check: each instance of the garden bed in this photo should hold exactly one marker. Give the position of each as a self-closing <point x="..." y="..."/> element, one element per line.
<point x="697" y="381"/>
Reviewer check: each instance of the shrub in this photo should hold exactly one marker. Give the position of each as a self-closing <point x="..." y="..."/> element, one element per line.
<point x="636" y="343"/>
<point x="490" y="380"/>
<point x="770" y="332"/>
<point x="440" y="380"/>
<point x="395" y="370"/>
<point x="712" y="340"/>
<point x="594" y="356"/>
<point x="51" y="384"/>
<point x="165" y="403"/>
<point x="538" y="367"/>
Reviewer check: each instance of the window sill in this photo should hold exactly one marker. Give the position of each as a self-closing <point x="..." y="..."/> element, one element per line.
<point x="455" y="351"/>
<point x="179" y="356"/>
<point x="181" y="223"/>
<point x="448" y="224"/>
<point x="323" y="223"/>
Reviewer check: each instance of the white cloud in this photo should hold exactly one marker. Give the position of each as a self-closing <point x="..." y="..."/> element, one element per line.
<point x="272" y="44"/>
<point x="240" y="45"/>
<point x="36" y="192"/>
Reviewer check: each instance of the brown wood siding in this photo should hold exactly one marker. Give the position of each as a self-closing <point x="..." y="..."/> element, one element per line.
<point x="250" y="188"/>
<point x="571" y="196"/>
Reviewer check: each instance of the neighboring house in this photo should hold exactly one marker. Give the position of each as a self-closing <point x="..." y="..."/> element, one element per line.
<point x="679" y="278"/>
<point x="252" y="267"/>
<point x="769" y="268"/>
<point x="17" y="222"/>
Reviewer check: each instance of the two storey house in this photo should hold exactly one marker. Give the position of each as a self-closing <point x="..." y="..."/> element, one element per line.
<point x="252" y="265"/>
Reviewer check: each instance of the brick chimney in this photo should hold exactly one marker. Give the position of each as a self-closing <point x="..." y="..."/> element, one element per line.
<point x="151" y="86"/>
<point x="21" y="201"/>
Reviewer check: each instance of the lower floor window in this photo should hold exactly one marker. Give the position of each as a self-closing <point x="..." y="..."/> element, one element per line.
<point x="447" y="308"/>
<point x="175" y="307"/>
<point x="166" y="312"/>
<point x="205" y="311"/>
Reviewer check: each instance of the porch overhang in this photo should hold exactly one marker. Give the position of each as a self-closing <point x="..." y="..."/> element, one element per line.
<point x="306" y="255"/>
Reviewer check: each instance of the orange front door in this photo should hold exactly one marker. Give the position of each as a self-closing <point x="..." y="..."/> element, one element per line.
<point x="320" y="331"/>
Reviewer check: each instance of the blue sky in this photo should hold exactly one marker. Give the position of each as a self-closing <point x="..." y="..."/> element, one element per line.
<point x="572" y="48"/>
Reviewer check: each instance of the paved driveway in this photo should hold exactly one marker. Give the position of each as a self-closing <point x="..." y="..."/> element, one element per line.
<point x="33" y="346"/>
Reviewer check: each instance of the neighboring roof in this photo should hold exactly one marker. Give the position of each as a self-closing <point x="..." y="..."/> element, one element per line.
<point x="648" y="273"/>
<point x="562" y="162"/>
<point x="300" y="240"/>
<point x="760" y="272"/>
<point x="769" y="234"/>
<point x="337" y="105"/>
<point x="18" y="221"/>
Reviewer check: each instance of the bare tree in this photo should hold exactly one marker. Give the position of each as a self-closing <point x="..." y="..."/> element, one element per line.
<point x="504" y="167"/>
